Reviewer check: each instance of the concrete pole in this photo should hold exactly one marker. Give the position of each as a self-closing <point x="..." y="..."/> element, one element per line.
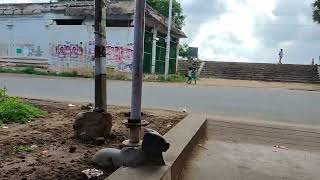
<point x="177" y="56"/>
<point x="100" y="55"/>
<point x="137" y="70"/>
<point x="154" y="50"/>
<point x="168" y="41"/>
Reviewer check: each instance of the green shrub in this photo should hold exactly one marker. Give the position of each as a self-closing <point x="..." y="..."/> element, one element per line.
<point x="23" y="149"/>
<point x="13" y="110"/>
<point x="69" y="74"/>
<point x="172" y="78"/>
<point x="28" y="70"/>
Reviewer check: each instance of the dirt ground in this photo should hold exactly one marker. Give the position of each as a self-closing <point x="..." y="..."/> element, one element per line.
<point x="51" y="139"/>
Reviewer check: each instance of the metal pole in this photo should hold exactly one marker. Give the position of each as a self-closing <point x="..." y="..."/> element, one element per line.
<point x="100" y="55"/>
<point x="168" y="41"/>
<point x="137" y="71"/>
<point x="134" y="123"/>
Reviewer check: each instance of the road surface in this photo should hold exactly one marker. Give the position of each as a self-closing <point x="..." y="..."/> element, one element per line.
<point x="254" y="103"/>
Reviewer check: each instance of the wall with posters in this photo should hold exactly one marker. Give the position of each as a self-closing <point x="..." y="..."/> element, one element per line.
<point x="63" y="46"/>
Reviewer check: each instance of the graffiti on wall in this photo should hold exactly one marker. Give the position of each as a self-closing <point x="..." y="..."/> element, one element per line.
<point x="28" y="50"/>
<point x="114" y="52"/>
<point x="79" y="55"/>
<point x="118" y="57"/>
<point x="68" y="50"/>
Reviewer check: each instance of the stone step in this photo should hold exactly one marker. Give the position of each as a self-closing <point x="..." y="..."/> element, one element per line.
<point x="264" y="75"/>
<point x="261" y="71"/>
<point x="288" y="79"/>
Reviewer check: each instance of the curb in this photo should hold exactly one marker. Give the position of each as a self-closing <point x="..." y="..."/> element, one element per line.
<point x="183" y="137"/>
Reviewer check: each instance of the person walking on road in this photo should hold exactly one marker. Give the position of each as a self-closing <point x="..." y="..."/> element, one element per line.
<point x="189" y="75"/>
<point x="280" y="56"/>
<point x="194" y="73"/>
<point x="312" y="62"/>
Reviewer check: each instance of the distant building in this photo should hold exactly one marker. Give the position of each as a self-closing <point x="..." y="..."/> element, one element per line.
<point x="63" y="35"/>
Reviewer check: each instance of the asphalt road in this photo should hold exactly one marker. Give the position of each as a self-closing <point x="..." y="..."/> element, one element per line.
<point x="254" y="103"/>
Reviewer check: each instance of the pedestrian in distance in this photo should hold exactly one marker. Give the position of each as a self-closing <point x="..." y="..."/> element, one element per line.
<point x="194" y="73"/>
<point x="189" y="75"/>
<point x="312" y="62"/>
<point x="280" y="56"/>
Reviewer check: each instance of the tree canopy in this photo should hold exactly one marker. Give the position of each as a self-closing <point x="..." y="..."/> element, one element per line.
<point x="163" y="7"/>
<point x="316" y="11"/>
<point x="183" y="50"/>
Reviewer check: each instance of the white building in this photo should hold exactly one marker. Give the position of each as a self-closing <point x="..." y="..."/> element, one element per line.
<point x="62" y="34"/>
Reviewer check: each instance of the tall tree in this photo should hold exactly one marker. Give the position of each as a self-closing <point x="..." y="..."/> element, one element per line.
<point x="316" y="11"/>
<point x="183" y="50"/>
<point x="163" y="7"/>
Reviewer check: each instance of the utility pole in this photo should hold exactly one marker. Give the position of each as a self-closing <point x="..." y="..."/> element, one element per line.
<point x="135" y="123"/>
<point x="168" y="41"/>
<point x="100" y="55"/>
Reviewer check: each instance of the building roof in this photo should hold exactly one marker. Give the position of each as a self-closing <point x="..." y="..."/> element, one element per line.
<point x="117" y="10"/>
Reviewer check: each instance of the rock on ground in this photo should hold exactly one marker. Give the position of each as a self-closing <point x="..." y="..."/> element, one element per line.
<point x="89" y="126"/>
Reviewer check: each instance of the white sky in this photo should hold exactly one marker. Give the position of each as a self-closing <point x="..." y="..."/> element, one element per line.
<point x="249" y="30"/>
<point x="252" y="30"/>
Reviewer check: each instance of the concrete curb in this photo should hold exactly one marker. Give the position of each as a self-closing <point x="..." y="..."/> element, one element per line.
<point x="183" y="137"/>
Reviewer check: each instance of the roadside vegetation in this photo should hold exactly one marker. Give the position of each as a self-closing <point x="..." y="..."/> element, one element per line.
<point x="23" y="149"/>
<point x="111" y="74"/>
<point x="30" y="70"/>
<point x="14" y="110"/>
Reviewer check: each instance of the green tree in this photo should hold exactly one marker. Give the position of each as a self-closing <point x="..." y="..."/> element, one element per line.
<point x="162" y="6"/>
<point x="316" y="11"/>
<point x="183" y="50"/>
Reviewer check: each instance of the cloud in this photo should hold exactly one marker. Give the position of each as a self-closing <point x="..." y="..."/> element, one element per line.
<point x="252" y="30"/>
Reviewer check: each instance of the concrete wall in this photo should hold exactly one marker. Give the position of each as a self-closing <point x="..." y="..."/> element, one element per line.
<point x="65" y="47"/>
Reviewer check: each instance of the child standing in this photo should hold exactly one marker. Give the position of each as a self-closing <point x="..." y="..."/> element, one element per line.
<point x="189" y="76"/>
<point x="194" y="73"/>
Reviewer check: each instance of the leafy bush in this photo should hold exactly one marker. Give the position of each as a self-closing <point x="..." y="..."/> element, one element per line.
<point x="69" y="74"/>
<point x="23" y="149"/>
<point x="172" y="78"/>
<point x="13" y="110"/>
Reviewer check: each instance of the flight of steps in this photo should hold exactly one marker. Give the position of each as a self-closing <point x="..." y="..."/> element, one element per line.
<point x="261" y="72"/>
<point x="183" y="65"/>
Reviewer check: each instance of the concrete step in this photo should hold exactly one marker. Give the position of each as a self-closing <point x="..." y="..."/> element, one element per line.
<point x="265" y="76"/>
<point x="266" y="79"/>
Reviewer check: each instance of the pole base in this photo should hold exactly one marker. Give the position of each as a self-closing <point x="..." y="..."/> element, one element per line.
<point x="128" y="143"/>
<point x="134" y="133"/>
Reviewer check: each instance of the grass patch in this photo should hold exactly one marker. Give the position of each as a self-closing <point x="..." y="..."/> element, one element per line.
<point x="23" y="149"/>
<point x="111" y="74"/>
<point x="13" y="110"/>
<point x="30" y="70"/>
<point x="172" y="78"/>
